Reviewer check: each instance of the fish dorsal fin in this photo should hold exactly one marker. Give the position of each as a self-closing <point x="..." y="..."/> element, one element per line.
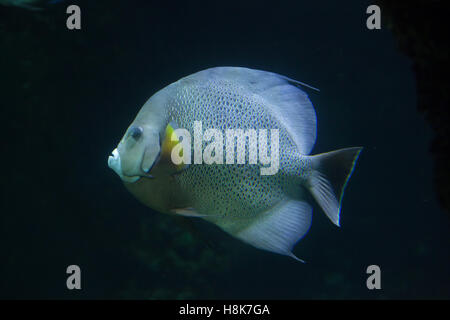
<point x="290" y="105"/>
<point x="280" y="228"/>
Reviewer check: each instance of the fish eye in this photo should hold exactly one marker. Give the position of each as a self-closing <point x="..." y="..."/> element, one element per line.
<point x="136" y="132"/>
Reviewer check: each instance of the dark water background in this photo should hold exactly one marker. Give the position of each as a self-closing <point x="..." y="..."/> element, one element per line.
<point x="68" y="96"/>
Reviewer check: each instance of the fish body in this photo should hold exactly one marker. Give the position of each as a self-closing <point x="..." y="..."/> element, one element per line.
<point x="269" y="211"/>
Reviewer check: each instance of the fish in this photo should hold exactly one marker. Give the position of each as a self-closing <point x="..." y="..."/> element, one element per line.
<point x="270" y="211"/>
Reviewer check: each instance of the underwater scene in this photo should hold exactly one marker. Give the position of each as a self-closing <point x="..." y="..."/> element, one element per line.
<point x="180" y="150"/>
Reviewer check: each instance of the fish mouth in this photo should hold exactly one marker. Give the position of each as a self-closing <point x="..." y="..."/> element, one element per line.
<point x="115" y="165"/>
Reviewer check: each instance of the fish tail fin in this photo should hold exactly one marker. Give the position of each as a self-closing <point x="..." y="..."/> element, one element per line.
<point x="331" y="171"/>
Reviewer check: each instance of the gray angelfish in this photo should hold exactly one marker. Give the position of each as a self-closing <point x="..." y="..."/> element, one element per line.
<point x="269" y="211"/>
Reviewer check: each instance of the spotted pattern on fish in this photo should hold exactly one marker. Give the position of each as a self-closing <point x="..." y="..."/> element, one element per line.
<point x="232" y="190"/>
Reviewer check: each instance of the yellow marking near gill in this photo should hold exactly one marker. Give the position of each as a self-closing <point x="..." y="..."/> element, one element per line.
<point x="168" y="144"/>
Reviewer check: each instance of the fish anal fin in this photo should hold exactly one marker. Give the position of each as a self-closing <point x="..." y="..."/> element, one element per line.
<point x="280" y="228"/>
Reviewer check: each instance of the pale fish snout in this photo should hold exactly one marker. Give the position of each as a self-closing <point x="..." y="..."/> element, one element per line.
<point x="114" y="163"/>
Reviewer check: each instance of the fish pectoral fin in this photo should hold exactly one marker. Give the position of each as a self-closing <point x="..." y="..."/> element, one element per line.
<point x="279" y="229"/>
<point x="188" y="212"/>
<point x="173" y="174"/>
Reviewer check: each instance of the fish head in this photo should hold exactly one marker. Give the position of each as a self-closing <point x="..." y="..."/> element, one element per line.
<point x="137" y="153"/>
<point x="141" y="154"/>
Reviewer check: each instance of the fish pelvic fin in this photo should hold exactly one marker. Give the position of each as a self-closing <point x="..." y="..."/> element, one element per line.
<point x="329" y="177"/>
<point x="188" y="212"/>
